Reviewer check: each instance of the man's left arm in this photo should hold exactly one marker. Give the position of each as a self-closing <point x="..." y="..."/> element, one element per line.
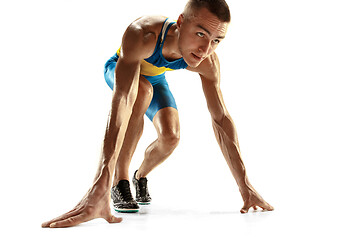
<point x="226" y="135"/>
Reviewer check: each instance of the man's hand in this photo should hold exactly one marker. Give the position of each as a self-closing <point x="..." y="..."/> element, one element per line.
<point x="94" y="205"/>
<point x="254" y="200"/>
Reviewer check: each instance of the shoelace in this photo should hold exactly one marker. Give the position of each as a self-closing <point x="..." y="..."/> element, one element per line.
<point x="126" y="193"/>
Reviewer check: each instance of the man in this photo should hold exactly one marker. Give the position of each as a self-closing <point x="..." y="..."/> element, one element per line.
<point x="151" y="46"/>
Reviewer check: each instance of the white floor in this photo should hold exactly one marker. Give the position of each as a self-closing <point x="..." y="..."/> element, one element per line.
<point x="182" y="222"/>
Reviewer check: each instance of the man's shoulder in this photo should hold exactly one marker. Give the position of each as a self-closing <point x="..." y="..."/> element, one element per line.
<point x="141" y="35"/>
<point x="149" y="24"/>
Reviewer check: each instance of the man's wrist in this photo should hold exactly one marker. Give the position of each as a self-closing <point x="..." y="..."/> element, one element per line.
<point x="103" y="180"/>
<point x="245" y="187"/>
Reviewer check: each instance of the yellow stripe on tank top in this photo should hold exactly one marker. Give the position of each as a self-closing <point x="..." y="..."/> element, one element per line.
<point x="148" y="69"/>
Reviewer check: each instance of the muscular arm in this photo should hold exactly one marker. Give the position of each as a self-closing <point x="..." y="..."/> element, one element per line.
<point x="225" y="133"/>
<point x="137" y="44"/>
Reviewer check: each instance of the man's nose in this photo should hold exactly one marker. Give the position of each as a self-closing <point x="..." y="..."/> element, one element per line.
<point x="205" y="47"/>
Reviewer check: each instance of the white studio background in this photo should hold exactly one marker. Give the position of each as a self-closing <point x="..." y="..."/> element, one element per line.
<point x="290" y="73"/>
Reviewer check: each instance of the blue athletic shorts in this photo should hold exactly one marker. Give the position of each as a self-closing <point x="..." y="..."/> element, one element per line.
<point x="162" y="96"/>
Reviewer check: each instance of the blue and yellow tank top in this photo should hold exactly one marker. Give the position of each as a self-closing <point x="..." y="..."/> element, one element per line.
<point x="156" y="64"/>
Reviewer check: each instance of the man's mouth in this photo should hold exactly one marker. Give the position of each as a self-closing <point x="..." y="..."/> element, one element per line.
<point x="197" y="57"/>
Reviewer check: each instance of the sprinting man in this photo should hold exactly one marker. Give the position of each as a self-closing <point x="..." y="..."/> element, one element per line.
<point x="136" y="73"/>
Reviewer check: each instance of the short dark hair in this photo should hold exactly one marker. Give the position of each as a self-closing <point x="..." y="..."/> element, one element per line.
<point x="217" y="7"/>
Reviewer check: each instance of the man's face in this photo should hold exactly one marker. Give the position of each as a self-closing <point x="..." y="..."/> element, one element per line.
<point x="199" y="36"/>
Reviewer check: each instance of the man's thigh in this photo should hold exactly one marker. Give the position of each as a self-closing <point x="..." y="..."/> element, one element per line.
<point x="162" y="98"/>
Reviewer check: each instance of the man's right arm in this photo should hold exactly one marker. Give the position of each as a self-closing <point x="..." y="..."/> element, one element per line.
<point x="136" y="45"/>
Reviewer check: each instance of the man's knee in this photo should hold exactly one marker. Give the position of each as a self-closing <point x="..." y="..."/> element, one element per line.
<point x="170" y="138"/>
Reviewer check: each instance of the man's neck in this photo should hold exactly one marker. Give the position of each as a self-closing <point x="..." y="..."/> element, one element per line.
<point x="171" y="48"/>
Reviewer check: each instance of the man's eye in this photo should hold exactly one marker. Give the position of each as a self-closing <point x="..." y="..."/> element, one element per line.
<point x="200" y="34"/>
<point x="216" y="41"/>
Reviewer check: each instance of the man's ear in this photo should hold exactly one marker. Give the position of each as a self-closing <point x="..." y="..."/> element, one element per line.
<point x="180" y="20"/>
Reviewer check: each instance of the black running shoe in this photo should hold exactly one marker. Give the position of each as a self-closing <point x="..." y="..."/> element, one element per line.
<point x="142" y="192"/>
<point x="122" y="198"/>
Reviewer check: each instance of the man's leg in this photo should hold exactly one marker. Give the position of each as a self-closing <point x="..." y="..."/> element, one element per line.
<point x="166" y="122"/>
<point x="163" y="113"/>
<point x="134" y="130"/>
